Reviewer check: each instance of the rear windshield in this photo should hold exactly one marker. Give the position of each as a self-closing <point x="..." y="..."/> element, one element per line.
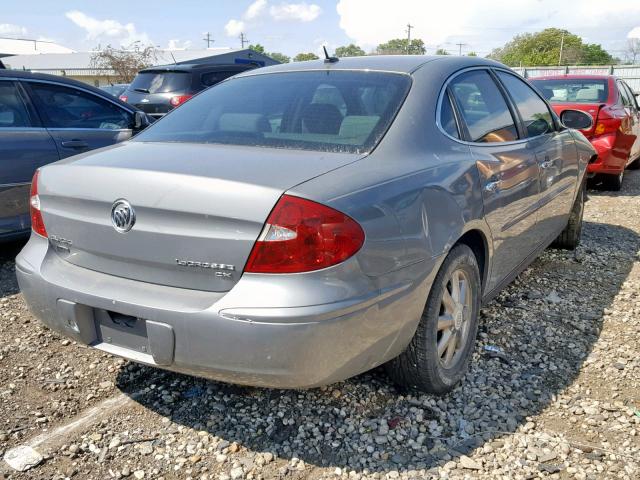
<point x="573" y="90"/>
<point x="161" y="82"/>
<point x="341" y="111"/>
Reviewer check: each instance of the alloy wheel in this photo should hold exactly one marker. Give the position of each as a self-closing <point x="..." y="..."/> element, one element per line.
<point x="454" y="319"/>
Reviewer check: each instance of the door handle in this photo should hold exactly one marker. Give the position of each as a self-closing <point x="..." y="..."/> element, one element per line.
<point x="492" y="187"/>
<point x="547" y="164"/>
<point x="75" y="144"/>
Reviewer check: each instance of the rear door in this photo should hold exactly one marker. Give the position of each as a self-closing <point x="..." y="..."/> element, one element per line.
<point x="79" y="120"/>
<point x="507" y="165"/>
<point x="631" y="105"/>
<point x="555" y="152"/>
<point x="24" y="146"/>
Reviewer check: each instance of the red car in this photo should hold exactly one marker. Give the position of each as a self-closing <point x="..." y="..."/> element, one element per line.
<point x="616" y="119"/>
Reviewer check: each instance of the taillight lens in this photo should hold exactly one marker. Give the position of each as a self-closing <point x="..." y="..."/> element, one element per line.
<point x="124" y="98"/>
<point x="179" y="99"/>
<point x="302" y="236"/>
<point x="37" y="223"/>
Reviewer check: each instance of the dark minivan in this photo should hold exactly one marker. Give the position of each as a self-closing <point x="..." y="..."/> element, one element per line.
<point x="157" y="90"/>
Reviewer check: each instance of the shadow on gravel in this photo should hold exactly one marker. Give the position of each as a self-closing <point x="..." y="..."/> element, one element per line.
<point x="544" y="325"/>
<point x="8" y="252"/>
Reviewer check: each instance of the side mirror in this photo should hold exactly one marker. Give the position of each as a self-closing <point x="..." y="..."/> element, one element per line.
<point x="140" y="121"/>
<point x="576" y="119"/>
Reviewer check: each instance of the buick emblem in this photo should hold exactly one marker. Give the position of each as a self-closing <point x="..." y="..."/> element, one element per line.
<point x="123" y="217"/>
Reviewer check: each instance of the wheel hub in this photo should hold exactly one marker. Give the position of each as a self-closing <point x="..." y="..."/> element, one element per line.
<point x="453" y="322"/>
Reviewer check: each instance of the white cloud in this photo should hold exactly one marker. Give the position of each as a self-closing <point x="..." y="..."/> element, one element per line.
<point x="177" y="44"/>
<point x="302" y="12"/>
<point x="233" y="28"/>
<point x="635" y="33"/>
<point x="255" y="9"/>
<point x="483" y="25"/>
<point x="107" y="30"/>
<point x="11" y="30"/>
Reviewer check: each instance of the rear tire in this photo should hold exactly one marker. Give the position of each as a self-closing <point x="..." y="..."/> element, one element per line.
<point x="635" y="165"/>
<point x="569" y="238"/>
<point x="613" y="182"/>
<point x="439" y="353"/>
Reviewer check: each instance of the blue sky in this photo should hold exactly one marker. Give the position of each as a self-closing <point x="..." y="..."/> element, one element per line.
<point x="292" y="26"/>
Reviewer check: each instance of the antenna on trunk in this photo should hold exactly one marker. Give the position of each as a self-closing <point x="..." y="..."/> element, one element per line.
<point x="327" y="58"/>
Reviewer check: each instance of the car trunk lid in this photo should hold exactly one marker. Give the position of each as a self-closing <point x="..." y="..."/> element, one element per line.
<point x="198" y="208"/>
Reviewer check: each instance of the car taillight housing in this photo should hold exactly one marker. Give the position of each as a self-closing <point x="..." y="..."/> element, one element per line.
<point x="179" y="99"/>
<point x="301" y="236"/>
<point x="124" y="98"/>
<point x="37" y="223"/>
<point x="606" y="122"/>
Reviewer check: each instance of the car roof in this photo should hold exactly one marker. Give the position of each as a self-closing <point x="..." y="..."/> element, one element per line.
<point x="384" y="63"/>
<point x="187" y="67"/>
<point x="26" y="75"/>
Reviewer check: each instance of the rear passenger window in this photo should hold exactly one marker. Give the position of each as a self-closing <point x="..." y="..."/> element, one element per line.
<point x="211" y="78"/>
<point x="533" y="110"/>
<point x="447" y="119"/>
<point x="483" y="108"/>
<point x="13" y="112"/>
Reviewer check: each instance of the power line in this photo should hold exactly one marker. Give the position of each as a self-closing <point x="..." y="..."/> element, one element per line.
<point x="209" y="39"/>
<point x="460" y="45"/>
<point x="409" y="27"/>
<point x="243" y="39"/>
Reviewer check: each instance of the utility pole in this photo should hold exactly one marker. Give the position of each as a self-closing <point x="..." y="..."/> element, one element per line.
<point x="243" y="39"/>
<point x="409" y="27"/>
<point x="561" y="47"/>
<point x="460" y="45"/>
<point x="208" y="39"/>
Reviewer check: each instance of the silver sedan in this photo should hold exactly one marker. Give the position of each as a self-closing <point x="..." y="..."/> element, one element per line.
<point x="299" y="224"/>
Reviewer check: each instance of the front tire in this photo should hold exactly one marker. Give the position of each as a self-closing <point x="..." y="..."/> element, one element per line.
<point x="569" y="238"/>
<point x="439" y="353"/>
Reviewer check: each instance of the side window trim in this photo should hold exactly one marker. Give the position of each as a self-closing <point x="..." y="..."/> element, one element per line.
<point x="461" y="126"/>
<point x="511" y="104"/>
<point x="634" y="99"/>
<point x="521" y="126"/>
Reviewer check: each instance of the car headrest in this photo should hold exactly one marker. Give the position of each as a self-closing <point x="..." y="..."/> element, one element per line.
<point x="587" y="94"/>
<point x="321" y="118"/>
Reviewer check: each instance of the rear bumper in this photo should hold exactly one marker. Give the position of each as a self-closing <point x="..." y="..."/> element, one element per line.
<point x="611" y="159"/>
<point x="211" y="335"/>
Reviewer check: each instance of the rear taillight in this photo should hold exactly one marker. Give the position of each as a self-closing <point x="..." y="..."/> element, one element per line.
<point x="179" y="99"/>
<point x="37" y="223"/>
<point x="302" y="236"/>
<point x="606" y="122"/>
<point x="124" y="98"/>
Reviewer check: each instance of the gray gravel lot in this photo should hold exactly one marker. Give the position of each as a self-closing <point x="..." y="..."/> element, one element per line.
<point x="553" y="392"/>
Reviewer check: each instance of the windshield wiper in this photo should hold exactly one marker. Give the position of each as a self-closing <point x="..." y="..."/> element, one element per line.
<point x="142" y="90"/>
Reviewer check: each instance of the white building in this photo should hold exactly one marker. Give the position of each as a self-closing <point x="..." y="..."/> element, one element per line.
<point x="19" y="46"/>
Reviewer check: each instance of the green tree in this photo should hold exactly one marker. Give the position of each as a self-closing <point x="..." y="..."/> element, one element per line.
<point x="543" y="48"/>
<point x="303" y="57"/>
<point x="401" y="46"/>
<point x="594" y="54"/>
<point x="280" y="57"/>
<point x="350" y="50"/>
<point x="442" y="51"/>
<point x="472" y="54"/>
<point x="257" y="48"/>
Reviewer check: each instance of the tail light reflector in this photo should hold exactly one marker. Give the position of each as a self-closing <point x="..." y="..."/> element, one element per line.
<point x="179" y="99"/>
<point x="302" y="236"/>
<point x="37" y="223"/>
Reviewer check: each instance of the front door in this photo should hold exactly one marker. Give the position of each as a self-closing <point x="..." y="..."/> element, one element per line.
<point x="24" y="146"/>
<point x="508" y="170"/>
<point x="78" y="120"/>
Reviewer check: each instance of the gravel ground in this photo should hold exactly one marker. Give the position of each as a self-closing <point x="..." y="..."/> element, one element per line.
<point x="553" y="392"/>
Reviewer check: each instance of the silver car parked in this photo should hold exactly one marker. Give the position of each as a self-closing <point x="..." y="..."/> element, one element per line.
<point x="299" y="224"/>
